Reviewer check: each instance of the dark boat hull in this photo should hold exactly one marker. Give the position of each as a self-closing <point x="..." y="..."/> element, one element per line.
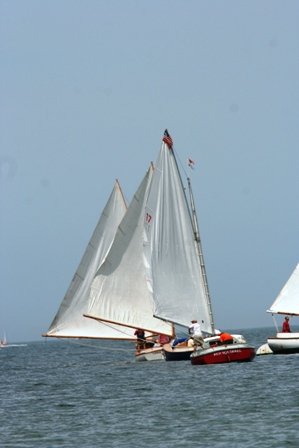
<point x="177" y="353"/>
<point x="223" y="354"/>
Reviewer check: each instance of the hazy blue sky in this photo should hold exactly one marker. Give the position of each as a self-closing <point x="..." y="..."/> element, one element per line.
<point x="87" y="89"/>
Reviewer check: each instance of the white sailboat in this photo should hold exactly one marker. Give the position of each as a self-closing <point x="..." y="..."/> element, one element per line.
<point x="287" y="304"/>
<point x="119" y="293"/>
<point x="143" y="268"/>
<point x="69" y="321"/>
<point x="159" y="273"/>
<point x="174" y="257"/>
<point x="153" y="277"/>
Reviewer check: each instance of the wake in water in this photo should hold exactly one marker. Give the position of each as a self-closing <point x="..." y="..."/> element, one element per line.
<point x="14" y="345"/>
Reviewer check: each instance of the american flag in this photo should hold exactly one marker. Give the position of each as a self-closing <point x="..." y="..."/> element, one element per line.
<point x="167" y="139"/>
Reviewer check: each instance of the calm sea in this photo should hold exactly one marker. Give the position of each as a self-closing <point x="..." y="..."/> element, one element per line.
<point x="62" y="394"/>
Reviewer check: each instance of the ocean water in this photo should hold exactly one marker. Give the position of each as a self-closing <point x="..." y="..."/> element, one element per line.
<point x="63" y="394"/>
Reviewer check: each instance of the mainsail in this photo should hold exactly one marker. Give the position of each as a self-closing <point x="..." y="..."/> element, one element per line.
<point x="287" y="300"/>
<point x="119" y="292"/>
<point x="69" y="321"/>
<point x="174" y="269"/>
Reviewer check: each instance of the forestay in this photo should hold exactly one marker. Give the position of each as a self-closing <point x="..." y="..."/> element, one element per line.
<point x="119" y="292"/>
<point x="175" y="275"/>
<point x="287" y="300"/>
<point x="69" y="320"/>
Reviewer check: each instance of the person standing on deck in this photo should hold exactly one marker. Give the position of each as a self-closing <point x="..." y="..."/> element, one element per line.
<point x="195" y="333"/>
<point x="286" y="326"/>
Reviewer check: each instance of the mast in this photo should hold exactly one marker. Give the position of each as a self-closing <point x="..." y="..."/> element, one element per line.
<point x="200" y="252"/>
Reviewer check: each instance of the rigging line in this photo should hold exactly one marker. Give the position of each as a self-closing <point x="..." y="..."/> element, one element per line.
<point x="111" y="326"/>
<point x="181" y="164"/>
<point x="98" y="347"/>
<point x="195" y="226"/>
<point x="104" y="347"/>
<point x="200" y="254"/>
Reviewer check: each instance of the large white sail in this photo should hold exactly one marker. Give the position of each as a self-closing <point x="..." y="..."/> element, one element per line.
<point x="287" y="301"/>
<point x="172" y="259"/>
<point x="119" y="292"/>
<point x="69" y="320"/>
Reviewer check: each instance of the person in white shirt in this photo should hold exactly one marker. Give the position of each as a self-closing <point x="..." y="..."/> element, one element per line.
<point x="195" y="333"/>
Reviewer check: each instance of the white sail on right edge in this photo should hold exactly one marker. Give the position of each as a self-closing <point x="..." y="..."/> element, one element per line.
<point x="172" y="258"/>
<point x="287" y="301"/>
<point x="119" y="291"/>
<point x="69" y="320"/>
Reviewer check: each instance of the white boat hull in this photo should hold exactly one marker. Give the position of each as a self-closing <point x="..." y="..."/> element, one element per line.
<point x="264" y="350"/>
<point x="150" y="354"/>
<point x="284" y="343"/>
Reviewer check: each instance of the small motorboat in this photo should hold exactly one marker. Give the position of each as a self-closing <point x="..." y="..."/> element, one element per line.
<point x="214" y="352"/>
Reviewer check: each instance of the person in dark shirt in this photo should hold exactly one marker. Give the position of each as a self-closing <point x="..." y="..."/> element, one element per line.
<point x="286" y="326"/>
<point x="140" y="344"/>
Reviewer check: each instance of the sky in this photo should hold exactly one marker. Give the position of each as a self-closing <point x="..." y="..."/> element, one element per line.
<point x="87" y="89"/>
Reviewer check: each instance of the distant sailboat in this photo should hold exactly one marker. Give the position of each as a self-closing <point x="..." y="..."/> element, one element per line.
<point x="3" y="341"/>
<point x="287" y="304"/>
<point x="69" y="321"/>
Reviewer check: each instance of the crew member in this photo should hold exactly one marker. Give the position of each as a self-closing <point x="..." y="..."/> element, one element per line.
<point x="286" y="326"/>
<point x="195" y="333"/>
<point x="140" y="343"/>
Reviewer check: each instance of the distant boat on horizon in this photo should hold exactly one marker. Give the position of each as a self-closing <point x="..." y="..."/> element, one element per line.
<point x="3" y="341"/>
